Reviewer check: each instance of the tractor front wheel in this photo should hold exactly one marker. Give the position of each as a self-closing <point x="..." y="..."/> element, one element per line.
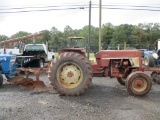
<point x="1" y="79"/>
<point x="138" y="83"/>
<point x="70" y="74"/>
<point x="121" y="80"/>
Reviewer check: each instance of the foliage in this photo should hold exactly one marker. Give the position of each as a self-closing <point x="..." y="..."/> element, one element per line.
<point x="142" y="35"/>
<point x="3" y="37"/>
<point x="94" y="37"/>
<point x="107" y="35"/>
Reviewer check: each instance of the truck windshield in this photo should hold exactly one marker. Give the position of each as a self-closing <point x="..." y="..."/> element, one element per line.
<point x="34" y="48"/>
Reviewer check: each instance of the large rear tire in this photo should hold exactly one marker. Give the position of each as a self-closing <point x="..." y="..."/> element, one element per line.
<point x="70" y="74"/>
<point x="138" y="83"/>
<point x="149" y="60"/>
<point x="1" y="79"/>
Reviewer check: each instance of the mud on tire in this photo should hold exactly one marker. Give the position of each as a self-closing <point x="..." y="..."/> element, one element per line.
<point x="70" y="74"/>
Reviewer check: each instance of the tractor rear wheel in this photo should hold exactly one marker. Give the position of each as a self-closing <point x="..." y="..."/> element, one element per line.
<point x="1" y="79"/>
<point x="121" y="80"/>
<point x="138" y="83"/>
<point x="70" y="74"/>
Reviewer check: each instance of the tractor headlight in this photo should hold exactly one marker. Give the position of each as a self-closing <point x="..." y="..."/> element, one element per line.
<point x="13" y="58"/>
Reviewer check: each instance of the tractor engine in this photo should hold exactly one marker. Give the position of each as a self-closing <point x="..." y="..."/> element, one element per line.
<point x="117" y="63"/>
<point x="8" y="65"/>
<point x="118" y="67"/>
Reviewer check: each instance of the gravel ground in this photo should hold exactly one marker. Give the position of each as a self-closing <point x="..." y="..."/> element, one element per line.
<point x="105" y="99"/>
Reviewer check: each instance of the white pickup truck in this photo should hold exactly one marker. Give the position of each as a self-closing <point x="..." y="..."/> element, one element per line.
<point x="34" y="55"/>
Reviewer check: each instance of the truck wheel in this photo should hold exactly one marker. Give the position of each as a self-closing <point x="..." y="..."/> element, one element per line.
<point x="41" y="63"/>
<point x="53" y="57"/>
<point x="70" y="74"/>
<point x="121" y="80"/>
<point x="138" y="83"/>
<point x="149" y="60"/>
<point x="156" y="77"/>
<point x="1" y="79"/>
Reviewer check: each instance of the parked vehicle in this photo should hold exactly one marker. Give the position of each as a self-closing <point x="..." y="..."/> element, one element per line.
<point x="153" y="60"/>
<point x="145" y="52"/>
<point x="34" y="55"/>
<point x="142" y="51"/>
<point x="7" y="66"/>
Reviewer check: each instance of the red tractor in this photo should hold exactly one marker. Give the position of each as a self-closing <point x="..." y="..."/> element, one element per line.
<point x="71" y="72"/>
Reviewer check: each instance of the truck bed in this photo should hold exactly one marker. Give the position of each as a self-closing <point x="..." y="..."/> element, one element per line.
<point x="34" y="53"/>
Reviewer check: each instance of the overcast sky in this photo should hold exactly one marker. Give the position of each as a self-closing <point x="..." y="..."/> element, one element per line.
<point x="11" y="23"/>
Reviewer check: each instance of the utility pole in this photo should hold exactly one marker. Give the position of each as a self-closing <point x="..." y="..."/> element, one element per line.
<point x="100" y="13"/>
<point x="89" y="34"/>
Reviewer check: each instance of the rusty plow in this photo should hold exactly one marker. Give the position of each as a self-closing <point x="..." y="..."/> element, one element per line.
<point x="36" y="84"/>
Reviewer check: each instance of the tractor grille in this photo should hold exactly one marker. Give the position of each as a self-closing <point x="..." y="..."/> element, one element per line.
<point x="0" y="66"/>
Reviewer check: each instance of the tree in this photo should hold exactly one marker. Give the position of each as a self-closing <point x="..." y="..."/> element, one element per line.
<point x="107" y="34"/>
<point x="68" y="31"/>
<point x="56" y="39"/>
<point x="45" y="37"/>
<point x="20" y="34"/>
<point x="149" y="34"/>
<point x="20" y="44"/>
<point x="122" y="34"/>
<point x="138" y="35"/>
<point x="94" y="37"/>
<point x="3" y="37"/>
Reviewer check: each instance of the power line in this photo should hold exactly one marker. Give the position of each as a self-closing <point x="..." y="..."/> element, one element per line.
<point x="80" y="6"/>
<point x="42" y="7"/>
<point x="136" y="6"/>
<point x="25" y="11"/>
<point x="140" y="9"/>
<point x="75" y="5"/>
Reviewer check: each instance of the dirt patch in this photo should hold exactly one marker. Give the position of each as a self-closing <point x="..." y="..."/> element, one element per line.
<point x="105" y="99"/>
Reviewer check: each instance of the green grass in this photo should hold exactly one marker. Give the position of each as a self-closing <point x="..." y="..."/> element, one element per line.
<point x="91" y="55"/>
<point x="55" y="54"/>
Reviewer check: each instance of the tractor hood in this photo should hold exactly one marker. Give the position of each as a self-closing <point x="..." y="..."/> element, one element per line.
<point x="6" y="57"/>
